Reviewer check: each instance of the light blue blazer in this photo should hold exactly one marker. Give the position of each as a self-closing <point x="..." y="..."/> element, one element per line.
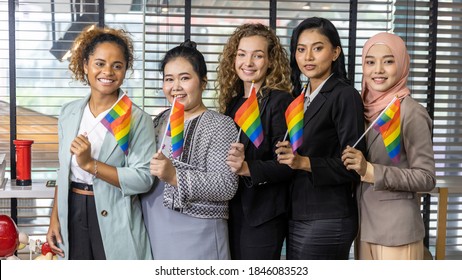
<point x="122" y="228"/>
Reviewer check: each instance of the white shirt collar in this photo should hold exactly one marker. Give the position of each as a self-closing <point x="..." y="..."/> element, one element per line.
<point x="313" y="94"/>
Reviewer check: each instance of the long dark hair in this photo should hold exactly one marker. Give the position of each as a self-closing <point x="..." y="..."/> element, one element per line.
<point x="326" y="28"/>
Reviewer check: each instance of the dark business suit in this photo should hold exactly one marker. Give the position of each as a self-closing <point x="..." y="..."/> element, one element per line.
<point x="323" y="199"/>
<point x="258" y="212"/>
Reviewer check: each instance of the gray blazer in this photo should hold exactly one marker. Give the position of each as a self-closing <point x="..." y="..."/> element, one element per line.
<point x="205" y="181"/>
<point x="118" y="209"/>
<point x="390" y="208"/>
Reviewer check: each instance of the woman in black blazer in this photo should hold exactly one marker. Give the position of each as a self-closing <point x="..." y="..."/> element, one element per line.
<point x="323" y="212"/>
<point x="258" y="212"/>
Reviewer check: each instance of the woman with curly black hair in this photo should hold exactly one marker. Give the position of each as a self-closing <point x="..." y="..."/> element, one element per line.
<point x="97" y="212"/>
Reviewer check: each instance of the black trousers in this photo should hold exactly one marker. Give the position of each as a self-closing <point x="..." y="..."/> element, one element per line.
<point x="85" y="241"/>
<point x="263" y="242"/>
<point x="327" y="239"/>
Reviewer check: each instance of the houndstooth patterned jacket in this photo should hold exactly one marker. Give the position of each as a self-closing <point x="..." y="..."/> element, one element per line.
<point x="205" y="181"/>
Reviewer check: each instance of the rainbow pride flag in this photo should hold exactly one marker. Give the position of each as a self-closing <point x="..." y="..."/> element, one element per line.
<point x="117" y="121"/>
<point x="388" y="124"/>
<point x="248" y="119"/>
<point x="176" y="128"/>
<point x="294" y="120"/>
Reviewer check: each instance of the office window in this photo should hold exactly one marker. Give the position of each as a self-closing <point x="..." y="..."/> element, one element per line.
<point x="43" y="82"/>
<point x="4" y="82"/>
<point x="413" y="25"/>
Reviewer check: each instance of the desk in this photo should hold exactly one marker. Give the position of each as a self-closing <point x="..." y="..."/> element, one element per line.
<point x="37" y="190"/>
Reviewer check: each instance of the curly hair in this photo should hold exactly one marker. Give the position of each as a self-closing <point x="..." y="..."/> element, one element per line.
<point x="85" y="45"/>
<point x="228" y="84"/>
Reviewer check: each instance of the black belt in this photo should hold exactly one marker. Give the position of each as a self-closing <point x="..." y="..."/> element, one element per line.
<point x="82" y="186"/>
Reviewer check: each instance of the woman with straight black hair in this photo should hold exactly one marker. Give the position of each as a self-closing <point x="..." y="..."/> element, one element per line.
<point x="323" y="219"/>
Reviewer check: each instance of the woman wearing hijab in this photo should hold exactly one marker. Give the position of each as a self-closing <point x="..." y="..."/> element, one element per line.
<point x="391" y="226"/>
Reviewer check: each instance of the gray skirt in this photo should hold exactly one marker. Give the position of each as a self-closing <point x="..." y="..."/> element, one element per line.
<point x="176" y="236"/>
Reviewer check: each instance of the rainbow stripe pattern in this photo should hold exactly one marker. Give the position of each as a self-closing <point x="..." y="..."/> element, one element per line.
<point x="248" y="119"/>
<point x="176" y="128"/>
<point x="294" y="120"/>
<point x="117" y="121"/>
<point x="388" y="124"/>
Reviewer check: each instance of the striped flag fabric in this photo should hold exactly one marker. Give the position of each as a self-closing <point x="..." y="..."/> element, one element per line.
<point x="248" y="119"/>
<point x="388" y="124"/>
<point x="117" y="122"/>
<point x="294" y="120"/>
<point x="176" y="128"/>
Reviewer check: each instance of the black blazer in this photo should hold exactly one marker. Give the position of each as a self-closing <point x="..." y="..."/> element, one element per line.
<point x="264" y="195"/>
<point x="333" y="120"/>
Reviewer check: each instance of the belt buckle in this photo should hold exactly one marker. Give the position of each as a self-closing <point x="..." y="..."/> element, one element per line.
<point x="86" y="188"/>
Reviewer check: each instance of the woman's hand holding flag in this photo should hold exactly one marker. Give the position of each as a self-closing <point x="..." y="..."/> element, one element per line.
<point x="354" y="159"/>
<point x="163" y="168"/>
<point x="236" y="160"/>
<point x="287" y="156"/>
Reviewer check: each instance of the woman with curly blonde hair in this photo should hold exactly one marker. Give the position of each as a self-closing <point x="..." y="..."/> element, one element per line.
<point x="97" y="213"/>
<point x="277" y="77"/>
<point x="258" y="212"/>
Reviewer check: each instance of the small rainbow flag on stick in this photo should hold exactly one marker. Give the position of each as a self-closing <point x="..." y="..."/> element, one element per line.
<point x="388" y="124"/>
<point x="117" y="121"/>
<point x="176" y="128"/>
<point x="248" y="118"/>
<point x="294" y="119"/>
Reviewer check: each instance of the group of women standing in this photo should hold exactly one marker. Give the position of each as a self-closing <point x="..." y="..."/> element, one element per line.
<point x="224" y="197"/>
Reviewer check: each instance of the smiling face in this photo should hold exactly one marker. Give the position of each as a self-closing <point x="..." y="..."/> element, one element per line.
<point x="106" y="68"/>
<point x="252" y="62"/>
<point x="314" y="56"/>
<point x="380" y="70"/>
<point x="182" y="82"/>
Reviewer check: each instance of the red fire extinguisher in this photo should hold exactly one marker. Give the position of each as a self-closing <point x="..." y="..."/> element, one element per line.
<point x="23" y="162"/>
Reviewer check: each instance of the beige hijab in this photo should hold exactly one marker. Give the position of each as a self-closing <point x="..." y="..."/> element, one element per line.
<point x="376" y="101"/>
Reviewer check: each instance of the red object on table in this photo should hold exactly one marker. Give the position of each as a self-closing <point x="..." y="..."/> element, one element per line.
<point x="9" y="236"/>
<point x="23" y="162"/>
<point x="46" y="249"/>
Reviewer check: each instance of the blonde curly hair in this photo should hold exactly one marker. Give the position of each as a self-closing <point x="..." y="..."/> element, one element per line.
<point x="228" y="83"/>
<point x="85" y="44"/>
